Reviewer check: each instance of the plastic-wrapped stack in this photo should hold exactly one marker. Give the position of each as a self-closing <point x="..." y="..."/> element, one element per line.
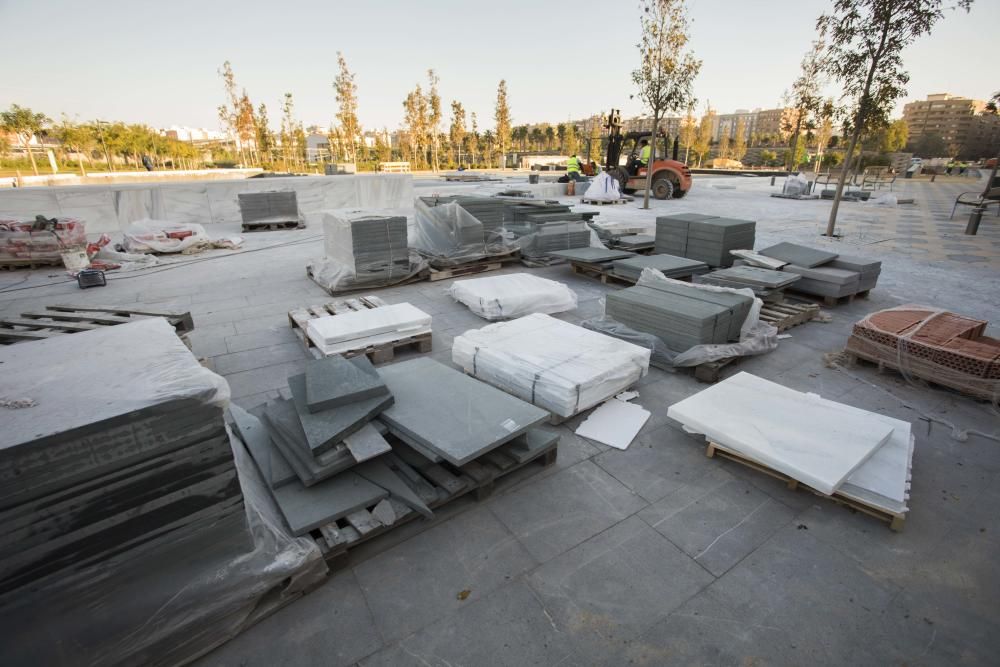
<point x="555" y="365"/>
<point x="703" y="237"/>
<point x="23" y="242"/>
<point x="682" y="316"/>
<point x="122" y="451"/>
<point x="360" y="329"/>
<point x="262" y="208"/>
<point x="513" y="295"/>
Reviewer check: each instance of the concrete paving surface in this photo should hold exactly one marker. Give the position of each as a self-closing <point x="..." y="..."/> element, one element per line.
<point x="655" y="555"/>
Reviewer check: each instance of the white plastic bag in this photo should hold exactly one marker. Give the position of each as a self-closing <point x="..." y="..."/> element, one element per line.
<point x="604" y="188"/>
<point x="795" y="185"/>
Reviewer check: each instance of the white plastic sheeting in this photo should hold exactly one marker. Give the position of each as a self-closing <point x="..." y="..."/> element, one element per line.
<point x="513" y="295"/>
<point x="553" y="364"/>
<point x="604" y="188"/>
<point x="164" y="236"/>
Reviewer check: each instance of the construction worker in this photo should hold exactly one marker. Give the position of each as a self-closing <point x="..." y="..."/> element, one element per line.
<point x="644" y="152"/>
<point x="573" y="168"/>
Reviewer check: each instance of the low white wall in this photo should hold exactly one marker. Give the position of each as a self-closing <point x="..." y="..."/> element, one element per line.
<point x="108" y="177"/>
<point x="111" y="208"/>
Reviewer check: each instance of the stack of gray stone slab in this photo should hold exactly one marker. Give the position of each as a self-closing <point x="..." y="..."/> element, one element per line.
<point x="257" y="208"/>
<point x="588" y="255"/>
<point x="868" y="269"/>
<point x="764" y="282"/>
<point x="321" y="451"/>
<point x="669" y="265"/>
<point x="705" y="238"/>
<point x="681" y="316"/>
<point x="379" y="245"/>
<point x="825" y="273"/>
<point x="447" y="415"/>
<point x="635" y="241"/>
<point x="121" y="450"/>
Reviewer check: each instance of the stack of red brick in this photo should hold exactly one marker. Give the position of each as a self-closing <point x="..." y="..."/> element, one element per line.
<point x="20" y="245"/>
<point x="931" y="344"/>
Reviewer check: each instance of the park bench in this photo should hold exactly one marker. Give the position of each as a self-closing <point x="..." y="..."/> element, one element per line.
<point x="876" y="177"/>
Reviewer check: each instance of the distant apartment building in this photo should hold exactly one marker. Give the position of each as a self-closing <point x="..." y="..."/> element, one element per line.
<point x="192" y="134"/>
<point x="959" y="121"/>
<point x="725" y="124"/>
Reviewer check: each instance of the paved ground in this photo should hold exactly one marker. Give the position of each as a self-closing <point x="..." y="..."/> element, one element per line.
<point x="654" y="555"/>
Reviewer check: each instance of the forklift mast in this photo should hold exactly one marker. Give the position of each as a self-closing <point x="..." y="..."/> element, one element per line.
<point x="613" y="125"/>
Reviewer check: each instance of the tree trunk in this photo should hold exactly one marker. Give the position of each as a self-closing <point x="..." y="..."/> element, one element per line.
<point x="795" y="145"/>
<point x="652" y="158"/>
<point x="832" y="223"/>
<point x="31" y="156"/>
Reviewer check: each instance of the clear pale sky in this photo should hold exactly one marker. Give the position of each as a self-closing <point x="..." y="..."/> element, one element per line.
<point x="157" y="62"/>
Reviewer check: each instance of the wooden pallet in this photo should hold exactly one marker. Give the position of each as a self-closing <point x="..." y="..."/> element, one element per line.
<point x="378" y="354"/>
<point x="894" y="519"/>
<point x="272" y="226"/>
<point x="787" y="315"/>
<point x="604" y="202"/>
<point x="711" y="371"/>
<point x="831" y="301"/>
<point x="64" y="319"/>
<point x="14" y="264"/>
<point x="982" y="389"/>
<point x="490" y="264"/>
<point x="599" y="272"/>
<point x="436" y="483"/>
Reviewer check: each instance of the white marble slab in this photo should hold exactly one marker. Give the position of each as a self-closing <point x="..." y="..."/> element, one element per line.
<point x="401" y="318"/>
<point x="814" y="440"/>
<point x="614" y="423"/>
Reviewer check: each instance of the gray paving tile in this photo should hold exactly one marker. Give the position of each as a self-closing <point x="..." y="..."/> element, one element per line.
<point x="330" y="627"/>
<point x="264" y="379"/>
<point x="509" y="628"/>
<point x="556" y="513"/>
<point x="259" y="339"/>
<point x="608" y="590"/>
<point x="419" y="581"/>
<point x="722" y="527"/>
<point x="792" y="601"/>
<point x="237" y="362"/>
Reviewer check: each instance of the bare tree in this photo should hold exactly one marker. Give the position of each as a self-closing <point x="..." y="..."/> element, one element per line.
<point x="434" y="115"/>
<point x="456" y="132"/>
<point x="867" y="38"/>
<point x="229" y="113"/>
<point x="666" y="73"/>
<point x="805" y="97"/>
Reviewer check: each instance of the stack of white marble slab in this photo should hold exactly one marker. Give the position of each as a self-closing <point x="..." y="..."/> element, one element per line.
<point x="513" y="295"/>
<point x="831" y="447"/>
<point x="553" y="364"/>
<point x="361" y="328"/>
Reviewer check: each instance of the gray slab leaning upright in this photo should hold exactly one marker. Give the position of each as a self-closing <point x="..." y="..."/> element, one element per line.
<point x="334" y="380"/>
<point x="452" y="414"/>
<point x="271" y="463"/>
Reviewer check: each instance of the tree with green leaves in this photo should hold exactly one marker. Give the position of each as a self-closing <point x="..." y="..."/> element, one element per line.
<point x="456" y="131"/>
<point x="346" y="91"/>
<point x="489" y="147"/>
<point x="416" y="119"/>
<point x="230" y="112"/>
<point x="25" y="124"/>
<point x="502" y="117"/>
<point x="703" y="138"/>
<point x="666" y="73"/>
<point x="570" y="141"/>
<point x="76" y="138"/>
<point x="867" y="39"/>
<point x="561" y="136"/>
<point x="473" y="138"/>
<point x="689" y="132"/>
<point x="723" y="149"/>
<point x="991" y="106"/>
<point x="740" y="139"/>
<point x="805" y="97"/>
<point x="930" y="145"/>
<point x="433" y="115"/>
<point x="823" y="133"/>
<point x="264" y="135"/>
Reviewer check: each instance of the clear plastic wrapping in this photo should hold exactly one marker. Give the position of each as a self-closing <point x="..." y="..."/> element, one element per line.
<point x="604" y="188"/>
<point x="89" y="466"/>
<point x="365" y="249"/>
<point x="756" y="336"/>
<point x="448" y="235"/>
<point x="147" y="235"/>
<point x="555" y="365"/>
<point x="513" y="295"/>
<point x="931" y="344"/>
<point x="19" y="243"/>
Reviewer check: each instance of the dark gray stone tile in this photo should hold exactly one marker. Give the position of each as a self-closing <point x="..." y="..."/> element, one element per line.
<point x="506" y="629"/>
<point x="419" y="581"/>
<point x="609" y="589"/>
<point x="330" y="627"/>
<point x="236" y="362"/>
<point x="556" y="513"/>
<point x="265" y="379"/>
<point x="721" y="527"/>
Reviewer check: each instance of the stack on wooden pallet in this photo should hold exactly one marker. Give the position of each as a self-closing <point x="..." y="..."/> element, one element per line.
<point x="766" y="284"/>
<point x="824" y="273"/>
<point x="342" y="475"/>
<point x="367" y="328"/>
<point x="860" y="458"/>
<point x="680" y="315"/>
<point x="931" y="344"/>
<point x="29" y="243"/>
<point x="269" y="210"/>
<point x="555" y="365"/>
<point x="124" y="450"/>
<point x="706" y="238"/>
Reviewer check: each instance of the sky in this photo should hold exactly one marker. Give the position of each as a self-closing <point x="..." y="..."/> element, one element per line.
<point x="157" y="62"/>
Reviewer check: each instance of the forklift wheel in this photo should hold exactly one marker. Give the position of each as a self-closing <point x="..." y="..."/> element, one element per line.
<point x="663" y="188"/>
<point x="678" y="193"/>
